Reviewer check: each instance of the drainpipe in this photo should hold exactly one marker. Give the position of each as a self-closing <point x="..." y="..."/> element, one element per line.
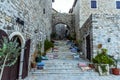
<point x="21" y="63"/>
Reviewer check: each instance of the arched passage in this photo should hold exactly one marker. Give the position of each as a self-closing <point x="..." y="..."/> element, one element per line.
<point x="11" y="72"/>
<point x="64" y="18"/>
<point x="61" y="30"/>
<point x="22" y="41"/>
<point x="16" y="66"/>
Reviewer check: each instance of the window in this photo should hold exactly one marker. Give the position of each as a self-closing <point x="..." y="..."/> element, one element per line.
<point x="93" y="4"/>
<point x="44" y="11"/>
<point x="53" y="0"/>
<point x="118" y="4"/>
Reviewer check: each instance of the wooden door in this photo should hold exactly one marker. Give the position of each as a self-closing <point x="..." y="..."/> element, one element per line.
<point x="26" y="59"/>
<point x="11" y="72"/>
<point x="88" y="49"/>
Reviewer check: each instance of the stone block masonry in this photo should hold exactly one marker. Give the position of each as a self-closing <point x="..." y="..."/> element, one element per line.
<point x="103" y="29"/>
<point x="106" y="28"/>
<point x="27" y="19"/>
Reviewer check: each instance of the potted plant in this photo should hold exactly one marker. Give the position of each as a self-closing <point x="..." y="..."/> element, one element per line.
<point x="33" y="64"/>
<point x="38" y="59"/>
<point x="9" y="52"/>
<point x="103" y="62"/>
<point x="116" y="70"/>
<point x="47" y="45"/>
<point x="91" y="65"/>
<point x="37" y="55"/>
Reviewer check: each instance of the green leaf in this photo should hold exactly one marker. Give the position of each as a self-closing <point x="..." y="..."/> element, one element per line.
<point x="1" y="54"/>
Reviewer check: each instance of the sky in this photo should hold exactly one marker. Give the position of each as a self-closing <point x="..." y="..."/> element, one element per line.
<point x="62" y="5"/>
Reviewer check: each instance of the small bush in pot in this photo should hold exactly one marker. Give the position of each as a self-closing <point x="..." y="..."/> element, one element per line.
<point x="102" y="60"/>
<point x="47" y="45"/>
<point x="116" y="70"/>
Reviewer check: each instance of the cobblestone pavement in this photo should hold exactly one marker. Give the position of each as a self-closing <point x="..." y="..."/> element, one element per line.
<point x="62" y="66"/>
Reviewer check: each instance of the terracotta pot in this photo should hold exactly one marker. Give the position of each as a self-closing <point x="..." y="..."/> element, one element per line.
<point x="91" y="66"/>
<point x="116" y="71"/>
<point x="33" y="65"/>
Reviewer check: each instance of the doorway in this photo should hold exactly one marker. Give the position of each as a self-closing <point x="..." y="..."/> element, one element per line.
<point x="61" y="31"/>
<point x="10" y="72"/>
<point x="26" y="59"/>
<point x="14" y="72"/>
<point x="88" y="48"/>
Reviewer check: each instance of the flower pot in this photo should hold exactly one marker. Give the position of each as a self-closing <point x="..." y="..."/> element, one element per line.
<point x="96" y="67"/>
<point x="33" y="65"/>
<point x="103" y="69"/>
<point x="116" y="71"/>
<point x="91" y="66"/>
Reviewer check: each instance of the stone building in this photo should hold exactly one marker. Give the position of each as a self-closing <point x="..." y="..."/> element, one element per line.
<point x="30" y="21"/>
<point x="97" y="22"/>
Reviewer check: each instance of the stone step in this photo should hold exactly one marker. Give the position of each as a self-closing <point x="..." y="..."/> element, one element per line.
<point x="60" y="64"/>
<point x="57" y="71"/>
<point x="59" y="67"/>
<point x="62" y="72"/>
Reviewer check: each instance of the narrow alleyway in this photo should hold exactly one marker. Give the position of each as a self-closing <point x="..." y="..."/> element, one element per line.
<point x="62" y="66"/>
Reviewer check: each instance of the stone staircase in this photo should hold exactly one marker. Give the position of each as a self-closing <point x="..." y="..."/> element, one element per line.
<point x="64" y="64"/>
<point x="59" y="67"/>
<point x="65" y="68"/>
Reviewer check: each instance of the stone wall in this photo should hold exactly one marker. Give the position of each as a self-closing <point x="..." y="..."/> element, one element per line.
<point x="103" y="7"/>
<point x="103" y="29"/>
<point x="37" y="24"/>
<point x="27" y="19"/>
<point x="106" y="31"/>
<point x="64" y="18"/>
<point x="76" y="19"/>
<point x="82" y="10"/>
<point x="105" y="24"/>
<point x="86" y="30"/>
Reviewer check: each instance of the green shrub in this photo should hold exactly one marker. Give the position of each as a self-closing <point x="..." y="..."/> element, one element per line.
<point x="39" y="46"/>
<point x="47" y="45"/>
<point x="103" y="58"/>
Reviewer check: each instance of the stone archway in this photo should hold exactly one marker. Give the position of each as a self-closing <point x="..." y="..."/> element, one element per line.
<point x="19" y="35"/>
<point x="22" y="40"/>
<point x="61" y="31"/>
<point x="15" y="68"/>
<point x="12" y="72"/>
<point x="65" y="18"/>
